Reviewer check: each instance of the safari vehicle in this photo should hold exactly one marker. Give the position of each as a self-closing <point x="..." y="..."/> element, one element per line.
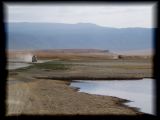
<point x="34" y="58"/>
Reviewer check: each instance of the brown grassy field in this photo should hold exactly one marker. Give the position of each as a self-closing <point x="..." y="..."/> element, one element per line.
<point x="80" y="54"/>
<point x="43" y="88"/>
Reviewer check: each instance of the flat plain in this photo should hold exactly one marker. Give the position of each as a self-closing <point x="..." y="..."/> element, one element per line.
<point x="43" y="88"/>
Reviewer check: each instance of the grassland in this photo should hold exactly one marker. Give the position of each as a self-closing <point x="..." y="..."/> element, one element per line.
<point x="43" y="88"/>
<point x="51" y="65"/>
<point x="92" y="69"/>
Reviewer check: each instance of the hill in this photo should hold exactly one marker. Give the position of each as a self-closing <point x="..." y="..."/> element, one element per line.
<point x="72" y="36"/>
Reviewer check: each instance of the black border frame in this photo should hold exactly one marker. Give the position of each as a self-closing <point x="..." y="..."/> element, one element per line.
<point x="4" y="72"/>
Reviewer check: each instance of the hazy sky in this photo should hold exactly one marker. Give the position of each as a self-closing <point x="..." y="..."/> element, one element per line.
<point x="111" y="15"/>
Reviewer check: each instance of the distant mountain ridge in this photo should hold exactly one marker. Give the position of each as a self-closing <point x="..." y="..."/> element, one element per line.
<point x="76" y="50"/>
<point x="77" y="36"/>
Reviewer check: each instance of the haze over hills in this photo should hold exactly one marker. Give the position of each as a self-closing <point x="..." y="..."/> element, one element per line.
<point x="77" y="36"/>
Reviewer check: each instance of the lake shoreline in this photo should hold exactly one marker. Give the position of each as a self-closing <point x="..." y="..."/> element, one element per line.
<point x="120" y="101"/>
<point x="113" y="88"/>
<point x="90" y="78"/>
<point x="46" y="88"/>
<point x="116" y="102"/>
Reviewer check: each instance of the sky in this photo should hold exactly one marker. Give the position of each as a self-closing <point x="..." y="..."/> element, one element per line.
<point x="109" y="15"/>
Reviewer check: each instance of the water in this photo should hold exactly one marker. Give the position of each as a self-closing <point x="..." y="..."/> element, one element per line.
<point x="139" y="92"/>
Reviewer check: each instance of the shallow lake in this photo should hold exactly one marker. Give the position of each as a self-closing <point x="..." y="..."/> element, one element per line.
<point x="140" y="93"/>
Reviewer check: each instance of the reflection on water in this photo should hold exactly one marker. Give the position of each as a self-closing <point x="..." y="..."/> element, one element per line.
<point x="139" y="92"/>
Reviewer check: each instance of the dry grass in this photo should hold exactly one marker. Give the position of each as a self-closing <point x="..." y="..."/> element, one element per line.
<point x="30" y="95"/>
<point x="51" y="54"/>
